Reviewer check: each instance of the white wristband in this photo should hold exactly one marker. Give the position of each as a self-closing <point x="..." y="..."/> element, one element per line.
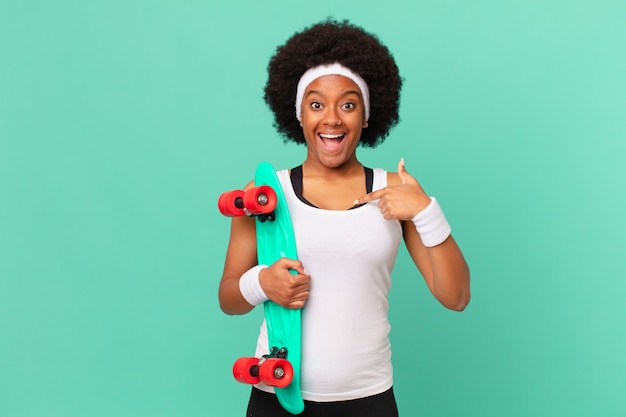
<point x="250" y="286"/>
<point x="432" y="225"/>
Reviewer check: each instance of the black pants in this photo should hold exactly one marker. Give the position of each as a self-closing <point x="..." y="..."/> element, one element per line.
<point x="264" y="404"/>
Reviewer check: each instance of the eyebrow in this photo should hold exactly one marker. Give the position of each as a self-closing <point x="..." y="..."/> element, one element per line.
<point x="345" y="93"/>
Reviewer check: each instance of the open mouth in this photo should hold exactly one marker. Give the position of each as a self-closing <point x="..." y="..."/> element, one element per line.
<point x="331" y="141"/>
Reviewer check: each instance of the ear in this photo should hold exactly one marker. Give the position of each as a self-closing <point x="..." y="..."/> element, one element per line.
<point x="364" y="123"/>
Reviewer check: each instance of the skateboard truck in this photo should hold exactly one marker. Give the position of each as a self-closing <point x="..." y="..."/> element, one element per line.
<point x="265" y="200"/>
<point x="265" y="217"/>
<point x="272" y="369"/>
<point x="259" y="202"/>
<point x="275" y="353"/>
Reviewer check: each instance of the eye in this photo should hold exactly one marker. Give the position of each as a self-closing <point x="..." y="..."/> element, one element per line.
<point x="315" y="105"/>
<point x="349" y="106"/>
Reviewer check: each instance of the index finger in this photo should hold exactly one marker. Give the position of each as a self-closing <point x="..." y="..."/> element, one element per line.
<point x="374" y="195"/>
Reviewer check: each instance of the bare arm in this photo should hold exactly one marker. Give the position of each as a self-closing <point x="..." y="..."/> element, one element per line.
<point x="240" y="256"/>
<point x="443" y="266"/>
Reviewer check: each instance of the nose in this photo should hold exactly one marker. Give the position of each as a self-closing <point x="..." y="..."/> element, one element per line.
<point x="332" y="117"/>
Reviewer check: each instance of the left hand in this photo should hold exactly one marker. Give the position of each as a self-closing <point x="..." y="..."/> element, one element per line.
<point x="399" y="202"/>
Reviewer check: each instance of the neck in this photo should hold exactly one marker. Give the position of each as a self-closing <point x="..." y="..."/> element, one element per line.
<point x="314" y="168"/>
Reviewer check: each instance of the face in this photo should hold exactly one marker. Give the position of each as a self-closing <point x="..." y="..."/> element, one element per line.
<point x="333" y="116"/>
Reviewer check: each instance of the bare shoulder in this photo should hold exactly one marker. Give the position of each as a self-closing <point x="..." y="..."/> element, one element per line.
<point x="249" y="185"/>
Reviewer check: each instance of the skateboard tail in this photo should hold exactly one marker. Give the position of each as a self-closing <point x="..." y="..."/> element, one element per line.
<point x="281" y="334"/>
<point x="290" y="402"/>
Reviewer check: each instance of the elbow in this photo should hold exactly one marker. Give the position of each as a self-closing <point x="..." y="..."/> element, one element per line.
<point x="232" y="312"/>
<point x="233" y="308"/>
<point x="230" y="300"/>
<point x="225" y="306"/>
<point x="226" y="310"/>
<point x="457" y="297"/>
<point x="459" y="303"/>
<point x="223" y="303"/>
<point x="460" y="306"/>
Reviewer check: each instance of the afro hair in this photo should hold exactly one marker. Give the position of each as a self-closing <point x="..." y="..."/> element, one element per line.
<point x="325" y="43"/>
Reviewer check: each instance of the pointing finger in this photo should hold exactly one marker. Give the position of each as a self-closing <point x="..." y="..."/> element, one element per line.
<point x="375" y="195"/>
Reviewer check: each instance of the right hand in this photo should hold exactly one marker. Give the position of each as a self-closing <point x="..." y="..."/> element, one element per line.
<point x="399" y="202"/>
<point x="283" y="287"/>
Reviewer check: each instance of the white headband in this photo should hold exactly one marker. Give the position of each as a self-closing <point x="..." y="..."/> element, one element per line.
<point x="331" y="69"/>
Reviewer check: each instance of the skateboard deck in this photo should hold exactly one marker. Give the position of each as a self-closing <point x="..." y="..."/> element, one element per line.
<point x="275" y="240"/>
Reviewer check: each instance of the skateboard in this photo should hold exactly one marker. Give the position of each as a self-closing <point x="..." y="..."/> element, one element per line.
<point x="280" y="367"/>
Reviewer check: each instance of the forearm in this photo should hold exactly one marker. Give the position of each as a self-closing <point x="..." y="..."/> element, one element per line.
<point x="240" y="257"/>
<point x="443" y="267"/>
<point x="449" y="281"/>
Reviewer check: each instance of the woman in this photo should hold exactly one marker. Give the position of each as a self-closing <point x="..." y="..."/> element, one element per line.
<point x="348" y="221"/>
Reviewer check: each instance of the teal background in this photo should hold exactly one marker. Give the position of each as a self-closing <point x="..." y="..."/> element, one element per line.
<point x="121" y="122"/>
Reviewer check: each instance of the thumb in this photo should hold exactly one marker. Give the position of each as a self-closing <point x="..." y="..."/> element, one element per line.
<point x="405" y="177"/>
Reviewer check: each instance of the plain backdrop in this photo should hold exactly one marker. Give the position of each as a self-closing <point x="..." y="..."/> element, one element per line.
<point x="121" y="122"/>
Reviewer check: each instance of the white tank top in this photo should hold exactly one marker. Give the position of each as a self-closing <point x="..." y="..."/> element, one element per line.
<point x="349" y="256"/>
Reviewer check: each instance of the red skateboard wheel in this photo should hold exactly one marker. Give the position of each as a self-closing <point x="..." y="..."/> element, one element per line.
<point x="276" y="372"/>
<point x="260" y="200"/>
<point x="231" y="203"/>
<point x="243" y="370"/>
